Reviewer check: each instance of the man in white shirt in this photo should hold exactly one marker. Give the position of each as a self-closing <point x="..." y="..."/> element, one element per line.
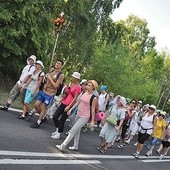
<point x="18" y="88"/>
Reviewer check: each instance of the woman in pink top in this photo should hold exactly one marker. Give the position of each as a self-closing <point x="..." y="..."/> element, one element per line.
<point x="85" y="111"/>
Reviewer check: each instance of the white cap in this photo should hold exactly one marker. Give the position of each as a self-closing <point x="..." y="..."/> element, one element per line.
<point x="33" y="57"/>
<point x="83" y="81"/>
<point x="76" y="75"/>
<point x="40" y="63"/>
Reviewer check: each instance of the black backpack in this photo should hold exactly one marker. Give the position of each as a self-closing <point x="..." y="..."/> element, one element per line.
<point x="59" y="89"/>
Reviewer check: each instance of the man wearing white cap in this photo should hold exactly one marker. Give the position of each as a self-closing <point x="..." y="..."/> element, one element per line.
<point x="18" y="89"/>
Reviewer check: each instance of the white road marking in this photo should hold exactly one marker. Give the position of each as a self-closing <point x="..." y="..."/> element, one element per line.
<point x="153" y="160"/>
<point x="46" y="162"/>
<point x="62" y="155"/>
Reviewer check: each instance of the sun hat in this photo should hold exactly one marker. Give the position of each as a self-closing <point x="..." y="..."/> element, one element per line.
<point x="76" y="75"/>
<point x="152" y="106"/>
<point x="121" y="99"/>
<point x="95" y="84"/>
<point x="83" y="81"/>
<point x="33" y="57"/>
<point x="40" y="63"/>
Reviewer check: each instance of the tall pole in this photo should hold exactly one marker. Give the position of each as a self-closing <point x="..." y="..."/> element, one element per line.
<point x="54" y="48"/>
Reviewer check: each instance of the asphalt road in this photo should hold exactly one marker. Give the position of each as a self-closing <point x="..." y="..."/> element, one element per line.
<point x="22" y="147"/>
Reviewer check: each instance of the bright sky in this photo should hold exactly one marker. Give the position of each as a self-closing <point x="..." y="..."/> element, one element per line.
<point x="155" y="12"/>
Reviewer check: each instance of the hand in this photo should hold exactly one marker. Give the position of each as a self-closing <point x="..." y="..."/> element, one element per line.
<point x="117" y="129"/>
<point x="69" y="112"/>
<point x="32" y="93"/>
<point x="67" y="109"/>
<point x="92" y="125"/>
<point x="48" y="76"/>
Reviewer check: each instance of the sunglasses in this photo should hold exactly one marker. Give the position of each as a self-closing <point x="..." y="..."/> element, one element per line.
<point x="151" y="108"/>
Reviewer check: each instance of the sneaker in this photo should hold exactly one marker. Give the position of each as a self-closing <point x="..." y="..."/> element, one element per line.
<point x="117" y="139"/>
<point x="157" y="151"/>
<point x="20" y="116"/>
<point x="4" y="108"/>
<point x="136" y="155"/>
<point x="56" y="136"/>
<point x="121" y="146"/>
<point x="161" y="156"/>
<point x="148" y="154"/>
<point x="67" y="133"/>
<point x="72" y="148"/>
<point x="35" y="125"/>
<point x="54" y="133"/>
<point x="127" y="141"/>
<point x="60" y="147"/>
<point x="135" y="144"/>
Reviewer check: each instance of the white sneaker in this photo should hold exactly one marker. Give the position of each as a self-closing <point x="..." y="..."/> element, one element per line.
<point x="148" y="154"/>
<point x="127" y="141"/>
<point x="56" y="136"/>
<point x="54" y="133"/>
<point x="161" y="156"/>
<point x="60" y="147"/>
<point x="72" y="148"/>
<point x="135" y="144"/>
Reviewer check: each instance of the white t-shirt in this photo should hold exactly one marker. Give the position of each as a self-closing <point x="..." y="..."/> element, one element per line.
<point x="27" y="70"/>
<point x="101" y="101"/>
<point x="34" y="82"/>
<point x="147" y="123"/>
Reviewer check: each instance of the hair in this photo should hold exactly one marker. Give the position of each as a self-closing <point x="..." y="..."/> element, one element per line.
<point x="62" y="62"/>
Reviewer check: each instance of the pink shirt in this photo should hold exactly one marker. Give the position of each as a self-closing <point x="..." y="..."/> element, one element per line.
<point x="84" y="106"/>
<point x="72" y="91"/>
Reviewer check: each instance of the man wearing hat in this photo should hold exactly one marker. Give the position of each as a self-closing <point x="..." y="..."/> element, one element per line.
<point x="18" y="89"/>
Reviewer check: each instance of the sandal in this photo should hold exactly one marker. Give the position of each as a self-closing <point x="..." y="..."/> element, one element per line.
<point x="121" y="146"/>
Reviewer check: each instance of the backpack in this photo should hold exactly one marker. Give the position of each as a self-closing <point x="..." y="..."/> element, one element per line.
<point x="59" y="89"/>
<point x="43" y="82"/>
<point x="168" y="132"/>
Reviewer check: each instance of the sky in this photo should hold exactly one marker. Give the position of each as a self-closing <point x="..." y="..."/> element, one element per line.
<point x="155" y="12"/>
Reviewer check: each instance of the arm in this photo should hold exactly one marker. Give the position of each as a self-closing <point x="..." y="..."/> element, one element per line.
<point x="74" y="106"/>
<point x="27" y="80"/>
<point x="72" y="102"/>
<point x="58" y="82"/>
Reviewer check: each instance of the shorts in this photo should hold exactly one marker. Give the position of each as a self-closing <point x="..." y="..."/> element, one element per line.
<point x="166" y="144"/>
<point x="154" y="141"/>
<point x="142" y="137"/>
<point x="28" y="97"/>
<point x="45" y="98"/>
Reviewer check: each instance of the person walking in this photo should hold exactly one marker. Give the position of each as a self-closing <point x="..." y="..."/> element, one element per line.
<point x="32" y="87"/>
<point x="146" y="128"/>
<point x="85" y="111"/>
<point x="46" y="95"/>
<point x="18" y="88"/>
<point x="71" y="93"/>
<point x="109" y="132"/>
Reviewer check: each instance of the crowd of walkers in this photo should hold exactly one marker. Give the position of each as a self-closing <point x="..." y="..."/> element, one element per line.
<point x="116" y="118"/>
